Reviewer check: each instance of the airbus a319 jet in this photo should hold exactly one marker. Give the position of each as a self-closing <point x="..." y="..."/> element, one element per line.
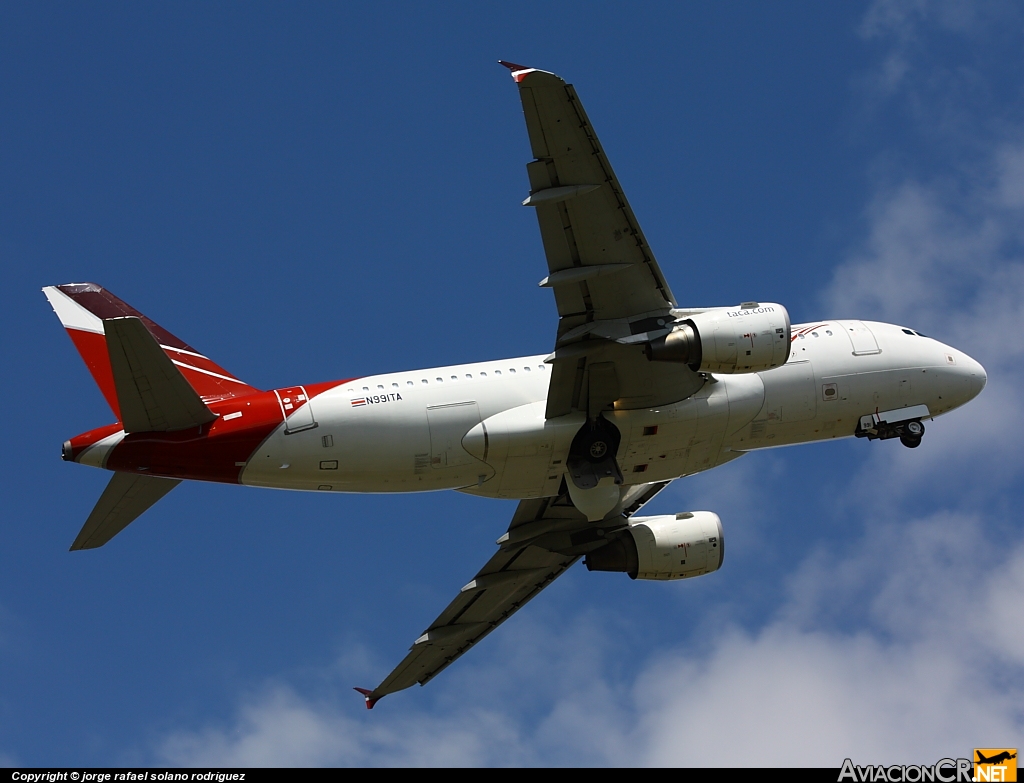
<point x="637" y="392"/>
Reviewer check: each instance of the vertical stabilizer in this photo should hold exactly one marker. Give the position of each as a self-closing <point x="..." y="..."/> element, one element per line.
<point x="82" y="309"/>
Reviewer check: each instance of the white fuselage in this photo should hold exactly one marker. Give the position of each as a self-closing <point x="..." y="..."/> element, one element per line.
<point x="481" y="427"/>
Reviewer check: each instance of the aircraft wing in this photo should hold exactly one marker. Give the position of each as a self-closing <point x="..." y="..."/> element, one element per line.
<point x="546" y="536"/>
<point x="610" y="292"/>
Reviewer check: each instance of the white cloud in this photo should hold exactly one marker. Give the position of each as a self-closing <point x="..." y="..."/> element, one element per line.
<point x="947" y="257"/>
<point x="933" y="669"/>
<point x="280" y="728"/>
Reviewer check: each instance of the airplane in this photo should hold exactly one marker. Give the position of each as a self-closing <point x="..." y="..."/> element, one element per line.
<point x="996" y="759"/>
<point x="637" y="392"/>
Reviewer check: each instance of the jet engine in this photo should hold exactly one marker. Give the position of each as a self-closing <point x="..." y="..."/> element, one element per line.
<point x="750" y="338"/>
<point x="676" y="546"/>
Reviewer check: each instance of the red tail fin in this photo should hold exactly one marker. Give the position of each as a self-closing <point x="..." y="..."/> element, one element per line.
<point x="82" y="308"/>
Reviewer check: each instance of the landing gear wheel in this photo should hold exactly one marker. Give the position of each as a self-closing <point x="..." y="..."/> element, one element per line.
<point x="595" y="442"/>
<point x="912" y="433"/>
<point x="592" y="454"/>
<point x="597" y="450"/>
<point x="914" y="429"/>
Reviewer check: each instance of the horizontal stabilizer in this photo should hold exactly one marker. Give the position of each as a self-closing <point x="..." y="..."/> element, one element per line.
<point x="152" y="394"/>
<point x="126" y="497"/>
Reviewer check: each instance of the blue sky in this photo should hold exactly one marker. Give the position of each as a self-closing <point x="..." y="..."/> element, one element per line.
<point x="322" y="192"/>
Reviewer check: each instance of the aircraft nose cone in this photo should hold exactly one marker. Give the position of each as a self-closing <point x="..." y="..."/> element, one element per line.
<point x="961" y="380"/>
<point x="974" y="374"/>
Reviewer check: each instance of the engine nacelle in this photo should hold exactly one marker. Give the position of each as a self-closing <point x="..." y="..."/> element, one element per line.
<point x="750" y="338"/>
<point x="665" y="547"/>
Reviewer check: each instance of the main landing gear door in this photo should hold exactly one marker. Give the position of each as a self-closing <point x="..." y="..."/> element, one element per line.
<point x="295" y="407"/>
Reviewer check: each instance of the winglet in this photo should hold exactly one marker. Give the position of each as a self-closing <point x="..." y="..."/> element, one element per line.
<point x="367" y="695"/>
<point x="518" y="71"/>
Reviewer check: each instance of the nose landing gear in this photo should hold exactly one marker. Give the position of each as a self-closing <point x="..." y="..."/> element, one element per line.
<point x="912" y="433"/>
<point x="874" y="427"/>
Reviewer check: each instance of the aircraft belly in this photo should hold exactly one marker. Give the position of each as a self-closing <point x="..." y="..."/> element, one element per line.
<point x="685" y="437"/>
<point x="381" y="447"/>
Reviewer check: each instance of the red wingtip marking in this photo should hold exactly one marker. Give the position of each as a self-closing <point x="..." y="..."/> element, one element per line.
<point x="518" y="71"/>
<point x="366" y="695"/>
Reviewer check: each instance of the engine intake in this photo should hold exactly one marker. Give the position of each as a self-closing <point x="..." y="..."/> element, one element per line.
<point x="676" y="546"/>
<point x="750" y="338"/>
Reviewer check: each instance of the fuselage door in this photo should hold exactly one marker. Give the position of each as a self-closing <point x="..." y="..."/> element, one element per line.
<point x="861" y="336"/>
<point x="298" y="415"/>
<point x="448" y="426"/>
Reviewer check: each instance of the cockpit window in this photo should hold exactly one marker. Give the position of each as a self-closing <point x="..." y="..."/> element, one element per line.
<point x="907" y="331"/>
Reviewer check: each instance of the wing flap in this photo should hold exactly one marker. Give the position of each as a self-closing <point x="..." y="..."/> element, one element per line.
<point x="126" y="497"/>
<point x="152" y="394"/>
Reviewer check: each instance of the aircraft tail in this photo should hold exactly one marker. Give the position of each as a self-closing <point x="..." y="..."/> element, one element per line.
<point x="88" y="313"/>
<point x="126" y="497"/>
